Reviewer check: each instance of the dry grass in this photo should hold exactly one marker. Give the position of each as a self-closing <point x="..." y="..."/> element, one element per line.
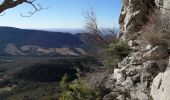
<point x="162" y="63"/>
<point x="94" y="79"/>
<point x="154" y="38"/>
<point x="157" y="31"/>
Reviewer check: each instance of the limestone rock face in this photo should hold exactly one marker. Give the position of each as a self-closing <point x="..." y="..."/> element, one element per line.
<point x="160" y="89"/>
<point x="163" y="4"/>
<point x="135" y="13"/>
<point x="138" y="95"/>
<point x="141" y="75"/>
<point x="134" y="75"/>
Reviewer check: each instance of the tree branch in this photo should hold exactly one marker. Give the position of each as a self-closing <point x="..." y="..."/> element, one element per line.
<point x="7" y="4"/>
<point x="91" y="25"/>
<point x="37" y="9"/>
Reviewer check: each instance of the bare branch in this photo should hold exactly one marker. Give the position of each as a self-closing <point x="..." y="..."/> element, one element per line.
<point x="7" y="4"/>
<point x="36" y="9"/>
<point x="111" y="31"/>
<point x="91" y="24"/>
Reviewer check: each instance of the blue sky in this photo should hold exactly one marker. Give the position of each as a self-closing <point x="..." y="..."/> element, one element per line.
<point x="63" y="14"/>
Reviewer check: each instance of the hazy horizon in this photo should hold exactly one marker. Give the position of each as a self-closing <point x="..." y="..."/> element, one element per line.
<point x="64" y="30"/>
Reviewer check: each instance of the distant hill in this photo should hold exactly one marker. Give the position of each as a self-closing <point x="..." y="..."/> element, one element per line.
<point x="72" y="30"/>
<point x="16" y="41"/>
<point x="36" y="37"/>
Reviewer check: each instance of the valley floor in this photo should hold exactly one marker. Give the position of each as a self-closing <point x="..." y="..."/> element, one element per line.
<point x="37" y="78"/>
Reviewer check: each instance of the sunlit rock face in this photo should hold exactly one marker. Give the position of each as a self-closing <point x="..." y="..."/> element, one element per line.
<point x="160" y="88"/>
<point x="164" y="5"/>
<point x="143" y="74"/>
<point x="137" y="14"/>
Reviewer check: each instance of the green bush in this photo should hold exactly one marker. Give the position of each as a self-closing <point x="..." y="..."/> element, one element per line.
<point x="76" y="90"/>
<point x="119" y="50"/>
<point x="116" y="51"/>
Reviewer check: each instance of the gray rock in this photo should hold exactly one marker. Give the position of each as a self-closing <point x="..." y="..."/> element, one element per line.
<point x="136" y="78"/>
<point x="148" y="47"/>
<point x="137" y="71"/>
<point x="128" y="83"/>
<point x="121" y="97"/>
<point x="142" y="86"/>
<point x="119" y="75"/>
<point x="133" y="16"/>
<point x="134" y="58"/>
<point x="145" y="77"/>
<point x="158" y="52"/>
<point x="131" y="71"/>
<point x="160" y="89"/>
<point x="111" y="96"/>
<point x="151" y="67"/>
<point x="138" y="95"/>
<point x="132" y="43"/>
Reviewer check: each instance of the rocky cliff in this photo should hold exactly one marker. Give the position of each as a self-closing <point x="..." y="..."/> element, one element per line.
<point x="136" y="14"/>
<point x="144" y="74"/>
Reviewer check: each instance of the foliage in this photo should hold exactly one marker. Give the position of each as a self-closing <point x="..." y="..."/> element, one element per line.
<point x="76" y="90"/>
<point x="39" y="77"/>
<point x="117" y="51"/>
<point x="63" y="82"/>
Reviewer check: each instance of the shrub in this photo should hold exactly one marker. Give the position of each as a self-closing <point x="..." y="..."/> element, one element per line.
<point x="76" y="90"/>
<point x="63" y="83"/>
<point x="119" y="50"/>
<point x="116" y="51"/>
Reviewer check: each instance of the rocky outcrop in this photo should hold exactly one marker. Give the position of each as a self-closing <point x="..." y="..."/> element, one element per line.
<point x="164" y="5"/>
<point x="160" y="88"/>
<point x="141" y="75"/>
<point x="134" y="14"/>
<point x="137" y="14"/>
<point x="135" y="74"/>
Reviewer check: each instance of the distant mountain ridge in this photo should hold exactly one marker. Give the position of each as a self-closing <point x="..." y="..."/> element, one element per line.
<point x="37" y="37"/>
<point x="37" y="41"/>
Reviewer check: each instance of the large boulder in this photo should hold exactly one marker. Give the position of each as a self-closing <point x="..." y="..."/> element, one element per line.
<point x="160" y="89"/>
<point x="138" y="95"/>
